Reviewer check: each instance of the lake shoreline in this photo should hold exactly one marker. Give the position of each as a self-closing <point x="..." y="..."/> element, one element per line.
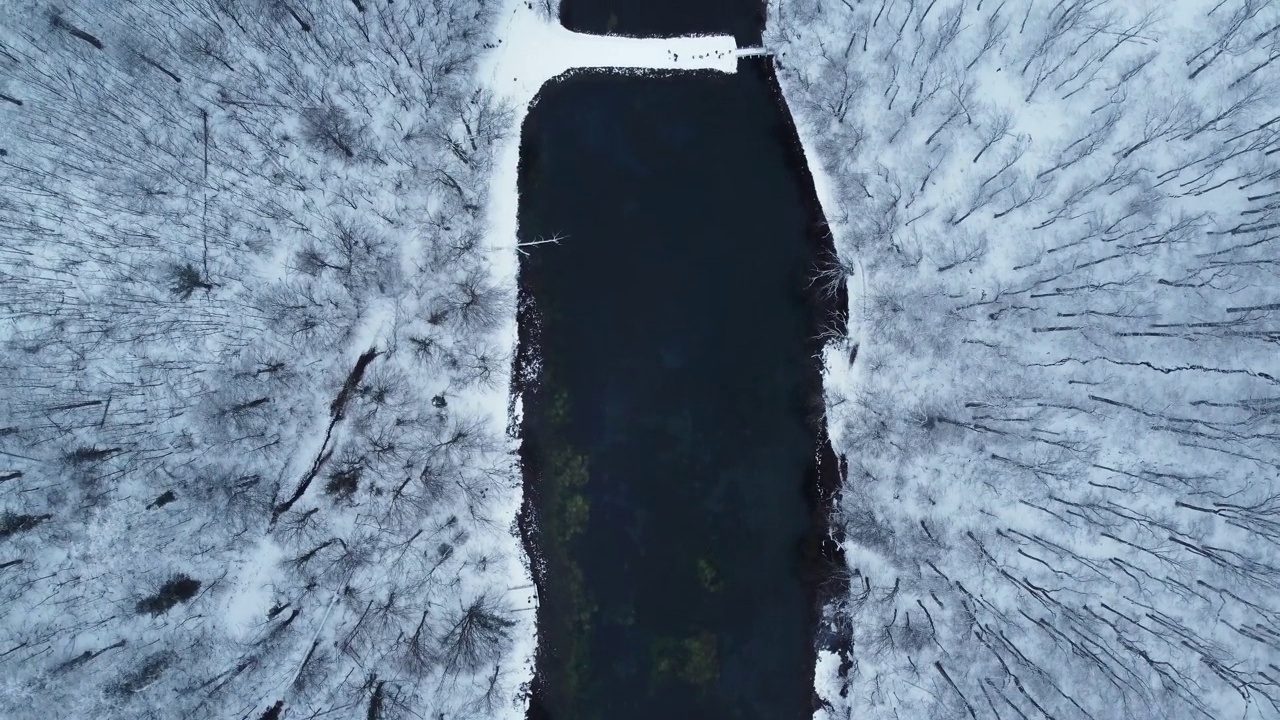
<point x="824" y="559"/>
<point x="820" y="559"/>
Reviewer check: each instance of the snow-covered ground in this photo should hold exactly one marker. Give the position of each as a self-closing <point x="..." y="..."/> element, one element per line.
<point x="1055" y="222"/>
<point x="533" y="50"/>
<point x="203" y="511"/>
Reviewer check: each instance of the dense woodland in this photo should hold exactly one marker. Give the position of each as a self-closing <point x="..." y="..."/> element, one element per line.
<point x="254" y="359"/>
<point x="253" y="364"/>
<point x="1059" y="220"/>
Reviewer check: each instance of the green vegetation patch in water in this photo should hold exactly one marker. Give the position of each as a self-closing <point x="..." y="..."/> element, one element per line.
<point x="692" y="659"/>
<point x="708" y="577"/>
<point x="566" y="510"/>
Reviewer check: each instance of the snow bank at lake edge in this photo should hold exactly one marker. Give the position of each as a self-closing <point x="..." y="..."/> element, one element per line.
<point x="837" y="370"/>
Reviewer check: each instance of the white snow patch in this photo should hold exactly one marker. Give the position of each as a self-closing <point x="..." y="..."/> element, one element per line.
<point x="251" y="591"/>
<point x="532" y="50"/>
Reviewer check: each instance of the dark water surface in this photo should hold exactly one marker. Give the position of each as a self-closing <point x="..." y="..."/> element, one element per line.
<point x="671" y="437"/>
<point x="744" y="19"/>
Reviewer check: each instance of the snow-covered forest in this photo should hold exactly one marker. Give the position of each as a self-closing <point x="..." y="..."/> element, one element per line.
<point x="255" y="348"/>
<point x="254" y="360"/>
<point x="1058" y="222"/>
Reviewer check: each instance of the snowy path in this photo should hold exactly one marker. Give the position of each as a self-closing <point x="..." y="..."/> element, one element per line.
<point x="533" y="50"/>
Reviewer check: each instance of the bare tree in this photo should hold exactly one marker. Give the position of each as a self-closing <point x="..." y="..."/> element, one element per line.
<point x="476" y="635"/>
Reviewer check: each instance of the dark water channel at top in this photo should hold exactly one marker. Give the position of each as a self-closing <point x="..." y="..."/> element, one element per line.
<point x="672" y="445"/>
<point x="743" y="19"/>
